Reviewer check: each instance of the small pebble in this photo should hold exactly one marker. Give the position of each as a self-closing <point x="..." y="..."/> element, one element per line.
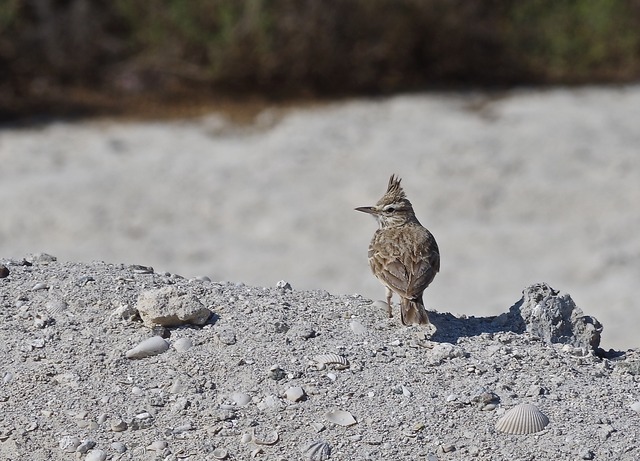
<point x="4" y="272"/>
<point x="157" y="445"/>
<point x="182" y="344"/>
<point x="240" y="398"/>
<point x="118" y="425"/>
<point x="635" y="406"/>
<point x="119" y="447"/>
<point x="69" y="443"/>
<point x="96" y="455"/>
<point x="85" y="446"/>
<point x="294" y="394"/>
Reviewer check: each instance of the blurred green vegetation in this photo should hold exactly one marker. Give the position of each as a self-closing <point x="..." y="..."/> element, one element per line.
<point x="289" y="48"/>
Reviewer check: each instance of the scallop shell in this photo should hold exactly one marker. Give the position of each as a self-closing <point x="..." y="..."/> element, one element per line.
<point x="340" y="417"/>
<point x="322" y="360"/>
<point x="522" y="419"/>
<point x="270" y="439"/>
<point x="220" y="453"/>
<point x="318" y="450"/>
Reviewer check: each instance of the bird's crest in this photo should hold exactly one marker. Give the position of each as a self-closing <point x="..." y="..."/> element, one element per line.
<point x="394" y="193"/>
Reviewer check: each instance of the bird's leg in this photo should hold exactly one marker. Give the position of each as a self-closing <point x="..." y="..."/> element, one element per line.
<point x="389" y="294"/>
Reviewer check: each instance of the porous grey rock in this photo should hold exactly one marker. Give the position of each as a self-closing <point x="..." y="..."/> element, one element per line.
<point x="555" y="318"/>
<point x="168" y="306"/>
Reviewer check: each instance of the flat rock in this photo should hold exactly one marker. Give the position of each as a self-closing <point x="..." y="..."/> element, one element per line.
<point x="169" y="307"/>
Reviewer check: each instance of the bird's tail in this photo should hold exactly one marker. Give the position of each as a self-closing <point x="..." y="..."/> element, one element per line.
<point x="412" y="312"/>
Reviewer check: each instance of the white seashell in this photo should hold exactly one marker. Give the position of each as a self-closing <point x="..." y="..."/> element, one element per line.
<point x="322" y="360"/>
<point x="318" y="450"/>
<point x="56" y="306"/>
<point x="270" y="439"/>
<point x="340" y="417"/>
<point x="522" y="419"/>
<point x="96" y="455"/>
<point x="220" y="453"/>
<point x="147" y="348"/>
<point x="240" y="398"/>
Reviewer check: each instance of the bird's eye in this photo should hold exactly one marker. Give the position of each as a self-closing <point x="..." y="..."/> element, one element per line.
<point x="390" y="209"/>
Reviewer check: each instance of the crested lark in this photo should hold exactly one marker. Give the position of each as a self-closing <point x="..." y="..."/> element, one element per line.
<point x="403" y="255"/>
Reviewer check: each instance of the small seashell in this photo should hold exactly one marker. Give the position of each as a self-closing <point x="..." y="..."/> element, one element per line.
<point x="220" y="453"/>
<point x="318" y="450"/>
<point x="522" y="419"/>
<point x="147" y="348"/>
<point x="56" y="306"/>
<point x="39" y="286"/>
<point x="96" y="455"/>
<point x="246" y="438"/>
<point x="322" y="360"/>
<point x="240" y="398"/>
<point x="340" y="417"/>
<point x="270" y="439"/>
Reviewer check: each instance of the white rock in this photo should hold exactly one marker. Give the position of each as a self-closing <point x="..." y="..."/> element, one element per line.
<point x="635" y="406"/>
<point x="168" y="306"/>
<point x="240" y="398"/>
<point x="69" y="443"/>
<point x="182" y="344"/>
<point x="294" y="394"/>
<point x="147" y="348"/>
<point x="96" y="455"/>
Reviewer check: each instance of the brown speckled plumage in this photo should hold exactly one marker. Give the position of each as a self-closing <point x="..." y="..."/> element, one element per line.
<point x="403" y="254"/>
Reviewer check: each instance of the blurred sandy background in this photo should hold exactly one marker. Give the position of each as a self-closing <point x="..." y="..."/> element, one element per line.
<point x="518" y="187"/>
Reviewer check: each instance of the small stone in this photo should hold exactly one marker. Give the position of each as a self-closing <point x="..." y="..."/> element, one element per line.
<point x="294" y="394"/>
<point x="587" y="454"/>
<point x="69" y="443"/>
<point x="240" y="398"/>
<point x="283" y="285"/>
<point x="39" y="286"/>
<point x="147" y="348"/>
<point x="85" y="446"/>
<point x="118" y="425"/>
<point x="182" y="344"/>
<point x="447" y="447"/>
<point x="635" y="406"/>
<point x="4" y="272"/>
<point x="157" y="445"/>
<point x="276" y="373"/>
<point x="42" y="258"/>
<point x="227" y="336"/>
<point x="96" y="455"/>
<point x="118" y="447"/>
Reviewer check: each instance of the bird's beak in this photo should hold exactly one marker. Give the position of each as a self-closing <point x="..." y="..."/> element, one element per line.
<point x="367" y="209"/>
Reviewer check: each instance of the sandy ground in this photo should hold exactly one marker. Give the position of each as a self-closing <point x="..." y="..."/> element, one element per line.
<point x="269" y="370"/>
<point x="520" y="187"/>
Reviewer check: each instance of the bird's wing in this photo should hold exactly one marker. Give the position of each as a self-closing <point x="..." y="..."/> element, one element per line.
<point x="408" y="276"/>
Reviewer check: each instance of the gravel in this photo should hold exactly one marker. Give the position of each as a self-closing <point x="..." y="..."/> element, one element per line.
<point x="248" y="383"/>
